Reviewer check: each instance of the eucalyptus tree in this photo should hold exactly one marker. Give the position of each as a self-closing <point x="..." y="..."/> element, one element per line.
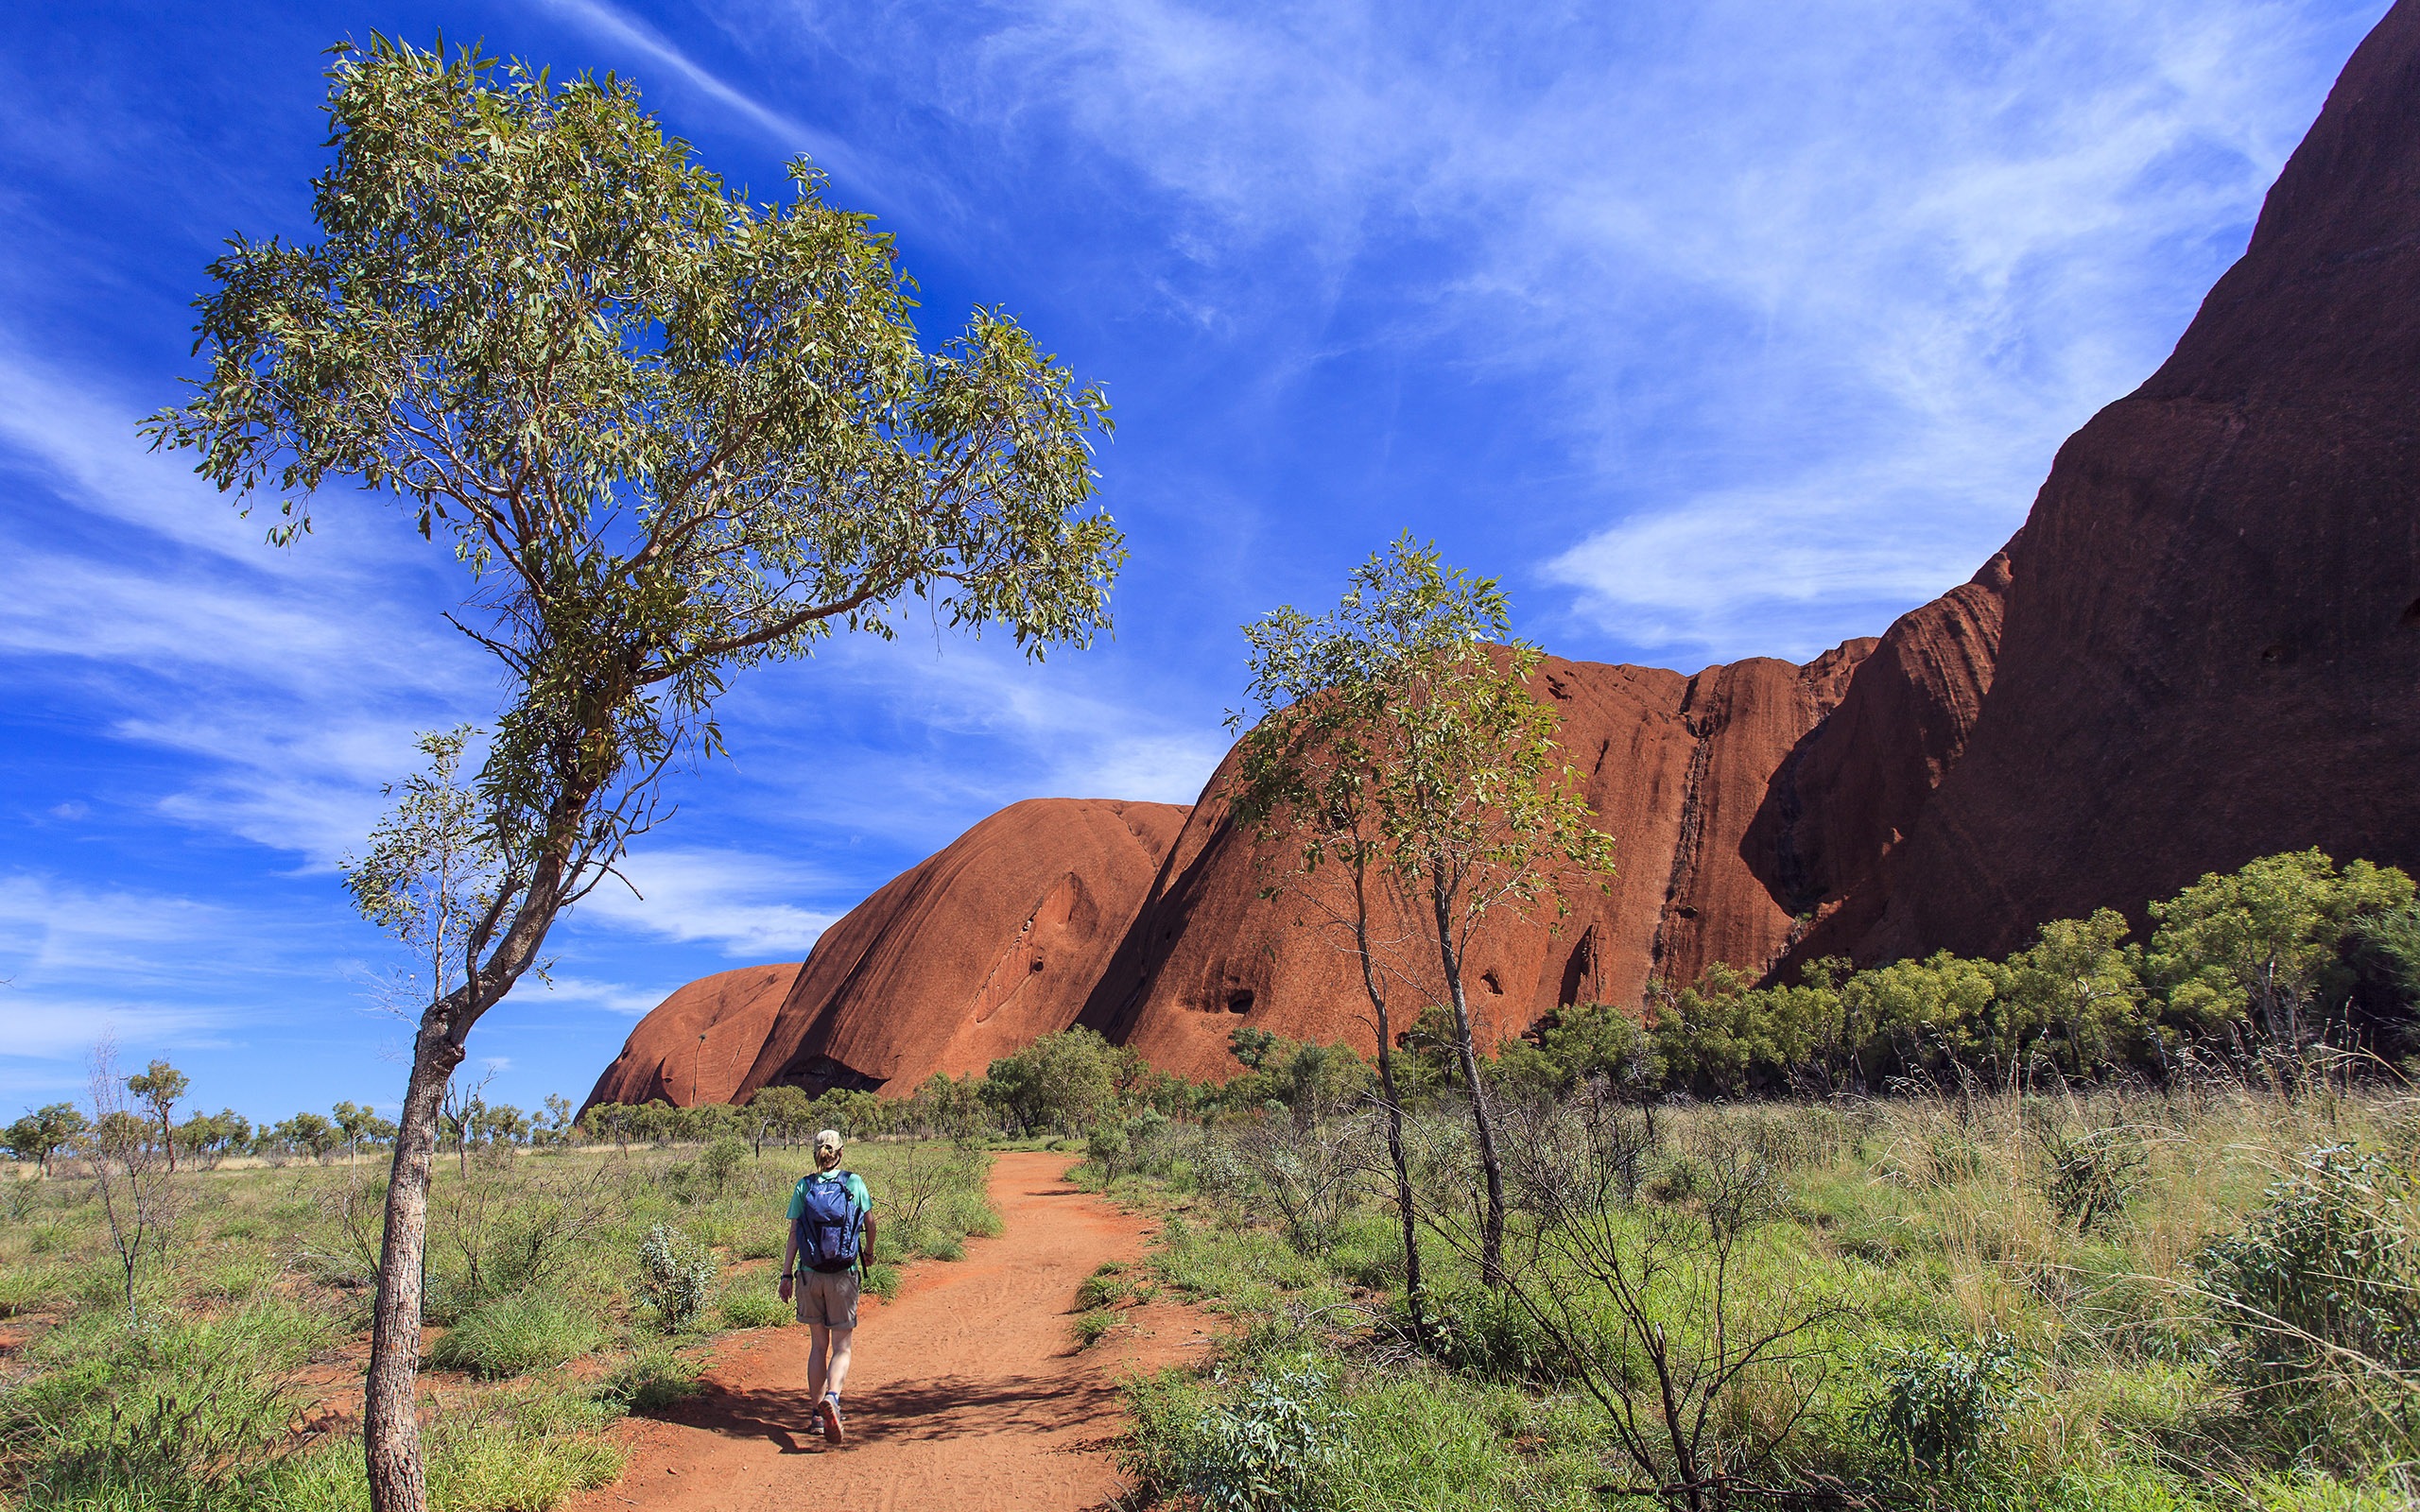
<point x="1401" y="746"/>
<point x="669" y="433"/>
<point x="160" y="1085"/>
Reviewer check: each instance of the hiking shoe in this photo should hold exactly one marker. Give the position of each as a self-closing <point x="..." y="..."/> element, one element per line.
<point x="829" y="1411"/>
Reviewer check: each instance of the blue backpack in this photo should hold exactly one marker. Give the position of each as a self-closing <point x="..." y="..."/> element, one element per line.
<point x="828" y="1221"/>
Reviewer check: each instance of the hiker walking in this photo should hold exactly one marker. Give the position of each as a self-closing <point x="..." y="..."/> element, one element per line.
<point x="831" y="1232"/>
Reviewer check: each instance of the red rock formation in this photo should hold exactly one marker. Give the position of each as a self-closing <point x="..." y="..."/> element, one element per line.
<point x="2204" y="647"/>
<point x="976" y="952"/>
<point x="1148" y="919"/>
<point x="2212" y="648"/>
<point x="697" y="1044"/>
<point x="1680" y="771"/>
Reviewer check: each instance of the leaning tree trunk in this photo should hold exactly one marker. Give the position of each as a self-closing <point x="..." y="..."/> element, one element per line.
<point x="1394" y="1120"/>
<point x="1491" y="1245"/>
<point x="390" y="1420"/>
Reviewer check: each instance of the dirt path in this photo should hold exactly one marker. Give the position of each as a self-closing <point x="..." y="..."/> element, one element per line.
<point x="965" y="1395"/>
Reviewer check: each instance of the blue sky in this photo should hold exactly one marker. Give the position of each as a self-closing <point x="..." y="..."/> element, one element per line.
<point x="1716" y="328"/>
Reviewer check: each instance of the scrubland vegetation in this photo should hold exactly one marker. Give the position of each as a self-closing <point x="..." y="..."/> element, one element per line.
<point x="2103" y="1224"/>
<point x="2196" y="1294"/>
<point x="2096" y="1226"/>
<point x="566" y="1287"/>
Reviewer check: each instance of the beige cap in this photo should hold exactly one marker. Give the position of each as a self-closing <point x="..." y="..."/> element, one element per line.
<point x="827" y="1139"/>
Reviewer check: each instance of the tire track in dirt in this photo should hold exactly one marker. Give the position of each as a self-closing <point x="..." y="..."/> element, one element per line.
<point x="965" y="1395"/>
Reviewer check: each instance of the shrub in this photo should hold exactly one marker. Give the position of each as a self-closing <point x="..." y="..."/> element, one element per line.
<point x="516" y="1334"/>
<point x="1489" y="1332"/>
<point x="721" y="1162"/>
<point x="1938" y="1400"/>
<point x="2322" y="1285"/>
<point x="2090" y="1175"/>
<point x="176" y="1414"/>
<point x="677" y="1276"/>
<point x="1261" y="1452"/>
<point x="1105" y="1149"/>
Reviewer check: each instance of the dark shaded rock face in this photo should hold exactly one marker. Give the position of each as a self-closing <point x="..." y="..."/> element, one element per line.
<point x="2212" y="643"/>
<point x="2204" y="647"/>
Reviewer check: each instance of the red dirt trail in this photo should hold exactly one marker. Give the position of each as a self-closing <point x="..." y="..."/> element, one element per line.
<point x="966" y="1395"/>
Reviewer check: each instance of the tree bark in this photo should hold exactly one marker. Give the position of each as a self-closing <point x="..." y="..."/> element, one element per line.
<point x="390" y="1419"/>
<point x="1491" y="1251"/>
<point x="1394" y="1115"/>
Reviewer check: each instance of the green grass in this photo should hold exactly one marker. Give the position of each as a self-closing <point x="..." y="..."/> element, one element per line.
<point x="1092" y="1327"/>
<point x="532" y="1264"/>
<point x="751" y="1302"/>
<point x="517" y="1333"/>
<point x="1930" y="1225"/>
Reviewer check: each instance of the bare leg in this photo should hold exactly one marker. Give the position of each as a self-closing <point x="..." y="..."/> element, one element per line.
<point x="839" y="1369"/>
<point x="819" y="1341"/>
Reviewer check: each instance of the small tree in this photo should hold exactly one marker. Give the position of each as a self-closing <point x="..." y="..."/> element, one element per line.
<point x="2266" y="939"/>
<point x="459" y="1115"/>
<point x="137" y="1193"/>
<point x="208" y="1137"/>
<point x="1061" y="1081"/>
<point x="357" y="1123"/>
<point x="309" y="1134"/>
<point x="160" y="1085"/>
<point x="45" y="1132"/>
<point x="670" y="431"/>
<point x="2075" y="983"/>
<point x="1307" y="779"/>
<point x="1404" y="746"/>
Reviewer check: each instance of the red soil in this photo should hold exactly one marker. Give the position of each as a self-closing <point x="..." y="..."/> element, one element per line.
<point x="967" y="1392"/>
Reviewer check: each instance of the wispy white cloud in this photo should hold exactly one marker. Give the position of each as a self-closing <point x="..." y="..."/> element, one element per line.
<point x="871" y="177"/>
<point x="59" y="1028"/>
<point x="609" y="997"/>
<point x="739" y="902"/>
<point x="295" y="678"/>
<point x="1805" y="295"/>
<point x="912" y="741"/>
<point x="53" y="928"/>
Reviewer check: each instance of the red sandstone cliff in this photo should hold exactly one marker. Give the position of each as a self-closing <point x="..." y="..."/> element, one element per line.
<point x="1681" y="770"/>
<point x="2212" y="647"/>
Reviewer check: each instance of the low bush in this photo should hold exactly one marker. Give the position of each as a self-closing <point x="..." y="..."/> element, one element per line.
<point x="677" y="1277"/>
<point x="1260" y="1448"/>
<point x="2320" y="1290"/>
<point x="2090" y="1173"/>
<point x="177" y="1414"/>
<point x="1937" y="1403"/>
<point x="650" y="1378"/>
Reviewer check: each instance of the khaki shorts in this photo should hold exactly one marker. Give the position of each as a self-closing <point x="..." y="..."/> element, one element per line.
<point x="828" y="1297"/>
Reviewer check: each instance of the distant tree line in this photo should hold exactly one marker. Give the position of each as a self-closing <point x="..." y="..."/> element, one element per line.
<point x="202" y="1141"/>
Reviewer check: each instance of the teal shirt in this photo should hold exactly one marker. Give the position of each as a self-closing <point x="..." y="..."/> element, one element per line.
<point x="857" y="1192"/>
